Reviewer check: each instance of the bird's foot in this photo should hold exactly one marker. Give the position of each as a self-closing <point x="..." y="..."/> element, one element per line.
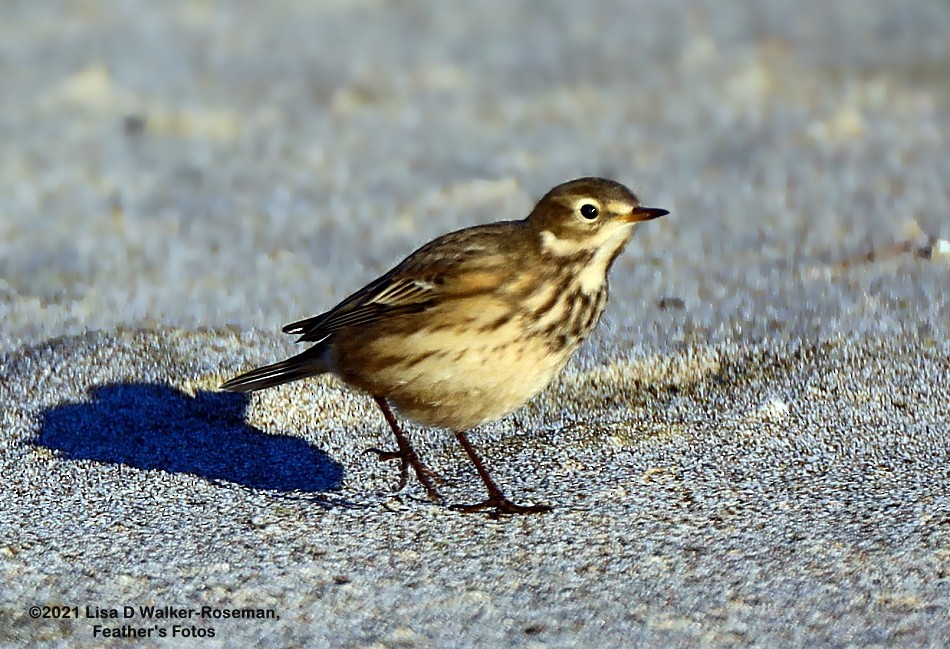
<point x="497" y="505"/>
<point x="426" y="476"/>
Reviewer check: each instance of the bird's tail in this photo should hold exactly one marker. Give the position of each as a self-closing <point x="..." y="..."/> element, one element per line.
<point x="309" y="363"/>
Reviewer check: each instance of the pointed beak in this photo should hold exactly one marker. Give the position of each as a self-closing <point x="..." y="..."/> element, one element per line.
<point x="641" y="213"/>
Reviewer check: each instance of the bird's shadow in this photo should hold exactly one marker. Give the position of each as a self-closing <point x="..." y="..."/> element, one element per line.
<point x="154" y="426"/>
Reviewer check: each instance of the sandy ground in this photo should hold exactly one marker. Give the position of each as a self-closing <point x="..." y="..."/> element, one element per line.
<point x="753" y="450"/>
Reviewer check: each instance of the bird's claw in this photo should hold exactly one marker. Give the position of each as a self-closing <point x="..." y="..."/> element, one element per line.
<point x="425" y="475"/>
<point x="498" y="505"/>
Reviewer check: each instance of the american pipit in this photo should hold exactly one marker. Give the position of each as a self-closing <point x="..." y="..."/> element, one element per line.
<point x="473" y="324"/>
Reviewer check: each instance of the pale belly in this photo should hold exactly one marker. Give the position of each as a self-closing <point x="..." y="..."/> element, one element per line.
<point x="452" y="380"/>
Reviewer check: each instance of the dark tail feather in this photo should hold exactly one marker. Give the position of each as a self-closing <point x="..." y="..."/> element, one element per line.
<point x="308" y="363"/>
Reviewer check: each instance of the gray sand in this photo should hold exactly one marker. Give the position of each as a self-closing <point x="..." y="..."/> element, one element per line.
<point x="752" y="451"/>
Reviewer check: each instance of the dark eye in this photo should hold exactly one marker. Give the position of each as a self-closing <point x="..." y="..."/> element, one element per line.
<point x="589" y="211"/>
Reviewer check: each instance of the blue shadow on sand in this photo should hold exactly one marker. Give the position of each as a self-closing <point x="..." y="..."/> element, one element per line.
<point x="154" y="426"/>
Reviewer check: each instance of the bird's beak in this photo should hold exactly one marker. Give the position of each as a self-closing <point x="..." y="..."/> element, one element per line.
<point x="640" y="213"/>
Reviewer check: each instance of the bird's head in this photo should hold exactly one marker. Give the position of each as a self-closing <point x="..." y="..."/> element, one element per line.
<point x="582" y="217"/>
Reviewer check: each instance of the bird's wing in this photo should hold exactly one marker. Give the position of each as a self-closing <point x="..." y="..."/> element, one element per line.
<point x="436" y="270"/>
<point x="387" y="296"/>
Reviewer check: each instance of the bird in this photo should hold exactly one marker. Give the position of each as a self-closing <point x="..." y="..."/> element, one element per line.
<point x="473" y="324"/>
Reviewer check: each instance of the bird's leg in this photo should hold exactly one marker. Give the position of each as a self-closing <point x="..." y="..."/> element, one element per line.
<point x="407" y="456"/>
<point x="496" y="502"/>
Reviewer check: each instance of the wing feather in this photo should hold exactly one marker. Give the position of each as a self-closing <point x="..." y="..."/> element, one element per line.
<point x="416" y="284"/>
<point x="378" y="300"/>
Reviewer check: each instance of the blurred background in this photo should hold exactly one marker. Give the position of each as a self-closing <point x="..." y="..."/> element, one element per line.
<point x="194" y="163"/>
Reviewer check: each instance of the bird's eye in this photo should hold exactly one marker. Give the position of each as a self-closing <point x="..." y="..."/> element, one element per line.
<point x="589" y="211"/>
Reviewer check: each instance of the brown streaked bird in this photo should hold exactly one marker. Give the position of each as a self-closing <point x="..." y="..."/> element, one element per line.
<point x="473" y="324"/>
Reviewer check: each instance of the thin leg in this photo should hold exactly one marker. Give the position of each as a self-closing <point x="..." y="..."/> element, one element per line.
<point x="496" y="499"/>
<point x="407" y="456"/>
